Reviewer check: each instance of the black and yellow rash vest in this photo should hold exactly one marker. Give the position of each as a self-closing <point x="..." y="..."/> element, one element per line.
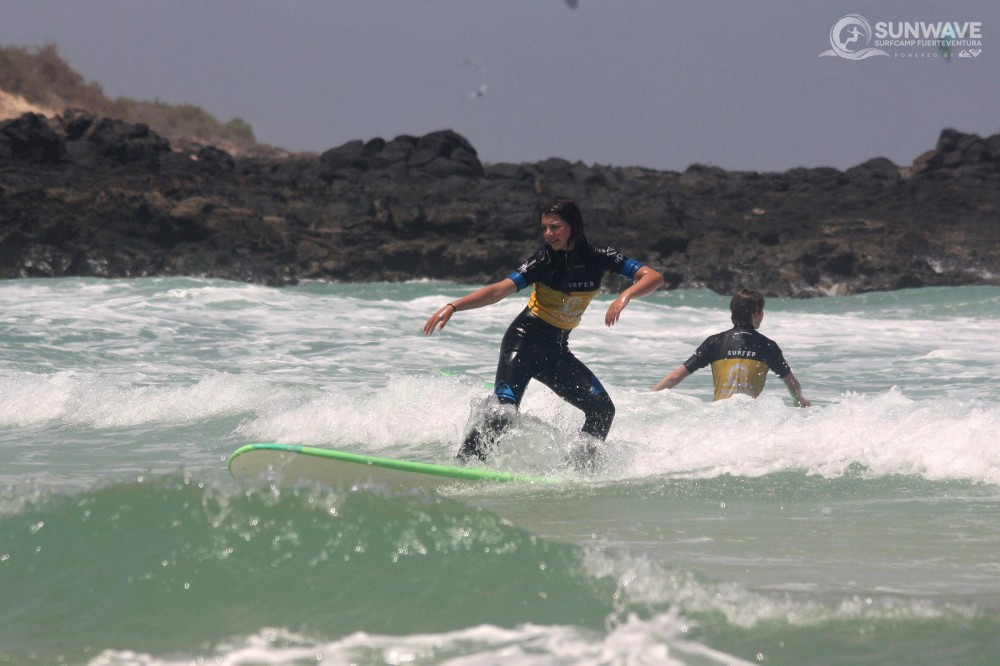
<point x="566" y="282"/>
<point x="740" y="359"/>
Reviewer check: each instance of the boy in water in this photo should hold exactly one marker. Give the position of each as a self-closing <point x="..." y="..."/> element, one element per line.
<point x="740" y="357"/>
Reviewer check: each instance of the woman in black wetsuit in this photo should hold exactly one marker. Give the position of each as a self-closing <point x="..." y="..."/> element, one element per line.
<point x="566" y="274"/>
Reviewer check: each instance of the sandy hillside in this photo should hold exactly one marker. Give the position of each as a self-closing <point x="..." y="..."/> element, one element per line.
<point x="12" y="106"/>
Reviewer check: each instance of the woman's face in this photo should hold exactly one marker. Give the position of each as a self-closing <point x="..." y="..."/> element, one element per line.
<point x="556" y="232"/>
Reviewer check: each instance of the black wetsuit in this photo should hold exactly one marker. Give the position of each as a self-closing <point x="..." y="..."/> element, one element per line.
<point x="535" y="345"/>
<point x="740" y="359"/>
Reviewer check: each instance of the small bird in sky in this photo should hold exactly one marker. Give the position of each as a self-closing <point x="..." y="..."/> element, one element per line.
<point x="481" y="90"/>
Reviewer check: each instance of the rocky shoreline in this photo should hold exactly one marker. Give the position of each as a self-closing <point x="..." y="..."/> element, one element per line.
<point x="86" y="196"/>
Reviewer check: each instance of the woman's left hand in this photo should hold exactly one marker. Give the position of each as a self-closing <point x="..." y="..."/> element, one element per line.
<point x="615" y="310"/>
<point x="646" y="282"/>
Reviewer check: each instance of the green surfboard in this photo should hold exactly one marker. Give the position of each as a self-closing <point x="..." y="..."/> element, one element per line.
<point x="289" y="465"/>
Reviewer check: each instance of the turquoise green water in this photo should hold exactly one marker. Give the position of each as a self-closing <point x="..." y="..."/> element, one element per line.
<point x="862" y="530"/>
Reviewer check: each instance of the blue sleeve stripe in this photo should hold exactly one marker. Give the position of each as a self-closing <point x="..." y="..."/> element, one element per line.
<point x="519" y="280"/>
<point x="630" y="268"/>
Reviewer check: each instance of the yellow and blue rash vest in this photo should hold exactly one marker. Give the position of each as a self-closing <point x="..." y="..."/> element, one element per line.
<point x="566" y="282"/>
<point x="740" y="359"/>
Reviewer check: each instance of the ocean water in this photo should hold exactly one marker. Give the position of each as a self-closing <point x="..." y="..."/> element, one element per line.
<point x="863" y="530"/>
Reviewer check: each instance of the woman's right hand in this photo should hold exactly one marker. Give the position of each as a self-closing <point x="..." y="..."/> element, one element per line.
<point x="439" y="318"/>
<point x="487" y="295"/>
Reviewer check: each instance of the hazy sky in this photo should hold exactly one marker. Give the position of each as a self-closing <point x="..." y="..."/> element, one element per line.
<point x="654" y="83"/>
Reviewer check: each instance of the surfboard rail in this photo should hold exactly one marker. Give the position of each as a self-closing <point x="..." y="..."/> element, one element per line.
<point x="329" y="465"/>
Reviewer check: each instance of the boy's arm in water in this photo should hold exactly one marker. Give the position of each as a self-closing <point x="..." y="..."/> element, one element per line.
<point x="795" y="389"/>
<point x="673" y="379"/>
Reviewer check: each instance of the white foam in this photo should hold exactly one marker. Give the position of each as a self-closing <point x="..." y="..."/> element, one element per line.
<point x="903" y="383"/>
<point x="94" y="401"/>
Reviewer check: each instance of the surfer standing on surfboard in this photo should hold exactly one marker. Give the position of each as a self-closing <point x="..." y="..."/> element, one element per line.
<point x="566" y="275"/>
<point x="740" y="357"/>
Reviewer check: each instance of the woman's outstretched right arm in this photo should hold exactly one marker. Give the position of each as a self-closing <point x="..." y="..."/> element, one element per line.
<point x="487" y="295"/>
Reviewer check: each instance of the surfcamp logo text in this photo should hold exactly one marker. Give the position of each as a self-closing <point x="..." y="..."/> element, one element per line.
<point x="854" y="38"/>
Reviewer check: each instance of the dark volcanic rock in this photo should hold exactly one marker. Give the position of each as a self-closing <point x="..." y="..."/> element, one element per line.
<point x="87" y="196"/>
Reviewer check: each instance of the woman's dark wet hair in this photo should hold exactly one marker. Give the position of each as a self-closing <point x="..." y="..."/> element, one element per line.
<point x="745" y="304"/>
<point x="569" y="212"/>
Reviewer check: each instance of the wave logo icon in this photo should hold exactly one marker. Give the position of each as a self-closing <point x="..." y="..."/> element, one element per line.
<point x="850" y="37"/>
